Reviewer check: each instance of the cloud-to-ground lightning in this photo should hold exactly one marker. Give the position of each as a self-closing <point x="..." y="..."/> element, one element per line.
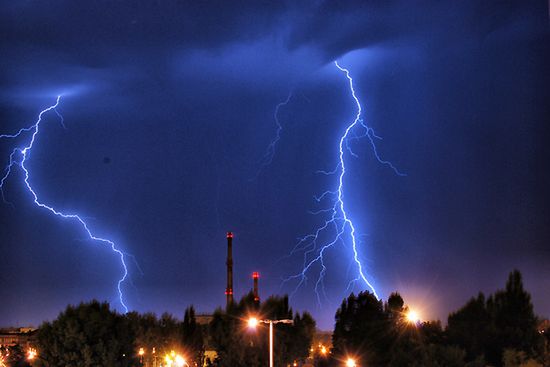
<point x="338" y="223"/>
<point x="19" y="157"/>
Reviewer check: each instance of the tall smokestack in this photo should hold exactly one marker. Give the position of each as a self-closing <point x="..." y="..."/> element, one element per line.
<point x="229" y="263"/>
<point x="256" y="276"/>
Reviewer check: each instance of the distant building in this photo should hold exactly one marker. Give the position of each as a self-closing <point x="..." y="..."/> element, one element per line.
<point x="323" y="338"/>
<point x="204" y="318"/>
<point x="23" y="336"/>
<point x="320" y="348"/>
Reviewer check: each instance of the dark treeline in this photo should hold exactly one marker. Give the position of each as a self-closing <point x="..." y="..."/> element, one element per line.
<point x="91" y="335"/>
<point x="498" y="330"/>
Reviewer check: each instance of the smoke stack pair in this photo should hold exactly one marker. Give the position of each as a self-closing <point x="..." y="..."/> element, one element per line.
<point x="229" y="263"/>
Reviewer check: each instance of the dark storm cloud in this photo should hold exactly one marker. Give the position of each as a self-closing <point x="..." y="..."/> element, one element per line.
<point x="65" y="43"/>
<point x="102" y="34"/>
<point x="96" y="25"/>
<point x="336" y="28"/>
<point x="179" y="97"/>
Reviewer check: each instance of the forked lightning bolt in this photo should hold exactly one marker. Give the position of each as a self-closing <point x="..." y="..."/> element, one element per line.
<point x="19" y="156"/>
<point x="338" y="225"/>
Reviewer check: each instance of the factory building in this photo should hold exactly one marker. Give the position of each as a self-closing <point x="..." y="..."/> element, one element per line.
<point x="23" y="336"/>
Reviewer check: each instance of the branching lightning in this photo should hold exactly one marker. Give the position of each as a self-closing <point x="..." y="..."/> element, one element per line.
<point x="270" y="151"/>
<point x="19" y="156"/>
<point x="338" y="226"/>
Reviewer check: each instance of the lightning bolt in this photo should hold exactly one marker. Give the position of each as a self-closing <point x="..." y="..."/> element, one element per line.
<point x="270" y="150"/>
<point x="338" y="225"/>
<point x="19" y="156"/>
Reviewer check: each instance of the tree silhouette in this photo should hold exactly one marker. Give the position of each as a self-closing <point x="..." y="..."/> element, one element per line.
<point x="192" y="337"/>
<point x="505" y="320"/>
<point x="87" y="335"/>
<point x="362" y="328"/>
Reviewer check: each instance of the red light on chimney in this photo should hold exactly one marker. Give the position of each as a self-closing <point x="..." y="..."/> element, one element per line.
<point x="229" y="234"/>
<point x="256" y="276"/>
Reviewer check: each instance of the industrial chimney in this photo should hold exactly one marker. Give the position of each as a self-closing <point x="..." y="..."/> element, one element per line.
<point x="256" y="276"/>
<point x="229" y="263"/>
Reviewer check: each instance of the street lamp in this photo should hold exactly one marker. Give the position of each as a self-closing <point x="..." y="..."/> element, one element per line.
<point x="141" y="352"/>
<point x="253" y="323"/>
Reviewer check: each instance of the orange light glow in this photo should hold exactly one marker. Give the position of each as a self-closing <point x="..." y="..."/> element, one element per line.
<point x="413" y="317"/>
<point x="253" y="322"/>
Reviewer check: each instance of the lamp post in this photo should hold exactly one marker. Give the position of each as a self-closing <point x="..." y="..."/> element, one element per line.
<point x="141" y="352"/>
<point x="253" y="322"/>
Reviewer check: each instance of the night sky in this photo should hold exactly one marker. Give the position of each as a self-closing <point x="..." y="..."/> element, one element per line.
<point x="169" y="110"/>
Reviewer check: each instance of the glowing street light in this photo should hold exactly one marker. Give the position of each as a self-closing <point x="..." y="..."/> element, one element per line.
<point x="253" y="323"/>
<point x="351" y="362"/>
<point x="31" y="354"/>
<point x="174" y="359"/>
<point x="141" y="352"/>
<point x="2" y="355"/>
<point x="180" y="361"/>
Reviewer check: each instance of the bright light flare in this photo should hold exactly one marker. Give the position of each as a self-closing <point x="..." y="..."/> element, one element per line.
<point x="180" y="361"/>
<point x="3" y="356"/>
<point x="174" y="359"/>
<point x="31" y="354"/>
<point x="351" y="362"/>
<point x="253" y="323"/>
<point x="413" y="317"/>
